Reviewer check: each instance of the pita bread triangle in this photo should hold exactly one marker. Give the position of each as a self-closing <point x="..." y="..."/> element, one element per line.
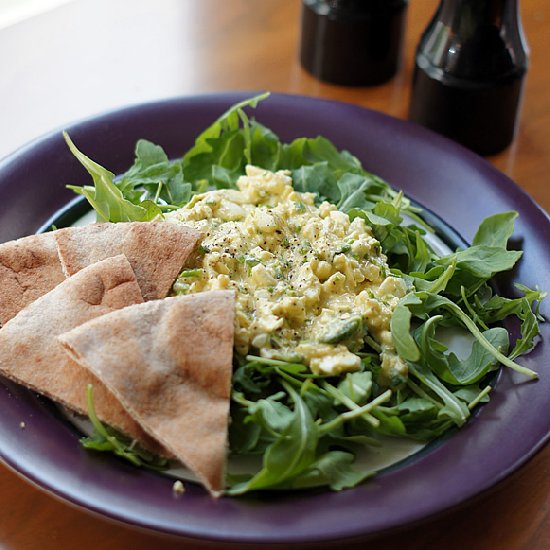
<point x="29" y="267"/>
<point x="169" y="362"/>
<point x="156" y="250"/>
<point x="31" y="355"/>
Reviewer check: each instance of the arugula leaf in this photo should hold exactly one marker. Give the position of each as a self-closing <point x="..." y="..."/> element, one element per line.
<point x="224" y="148"/>
<point x="317" y="178"/>
<point x="473" y="395"/>
<point x="525" y="308"/>
<point x="153" y="176"/>
<point x="495" y="230"/>
<point x="308" y="151"/>
<point x="480" y="361"/>
<point x="400" y="326"/>
<point x="486" y="257"/>
<point x="448" y="367"/>
<point x="434" y="280"/>
<point x="265" y="147"/>
<point x="482" y="261"/>
<point x="356" y="412"/>
<point x="244" y="436"/>
<point x="107" y="440"/>
<point x="529" y="330"/>
<point x="291" y="454"/>
<point x="149" y="154"/>
<point x="270" y="414"/>
<point x="333" y="469"/>
<point x="417" y="410"/>
<point x="453" y="409"/>
<point x="390" y="425"/>
<point x="496" y="308"/>
<point x="425" y="303"/>
<point x="106" y="199"/>
<point x="357" y="386"/>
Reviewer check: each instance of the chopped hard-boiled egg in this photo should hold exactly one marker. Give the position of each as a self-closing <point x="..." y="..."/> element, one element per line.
<point x="311" y="283"/>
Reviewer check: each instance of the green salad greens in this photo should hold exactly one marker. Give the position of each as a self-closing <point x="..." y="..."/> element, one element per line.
<point x="308" y="428"/>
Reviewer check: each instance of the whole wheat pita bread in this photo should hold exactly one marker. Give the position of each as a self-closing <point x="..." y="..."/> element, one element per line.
<point x="31" y="355"/>
<point x="169" y="362"/>
<point x="156" y="250"/>
<point x="29" y="268"/>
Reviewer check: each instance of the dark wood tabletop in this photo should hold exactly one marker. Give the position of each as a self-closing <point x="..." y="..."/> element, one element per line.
<point x="88" y="56"/>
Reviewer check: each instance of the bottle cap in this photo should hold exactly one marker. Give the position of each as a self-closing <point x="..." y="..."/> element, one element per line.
<point x="352" y="42"/>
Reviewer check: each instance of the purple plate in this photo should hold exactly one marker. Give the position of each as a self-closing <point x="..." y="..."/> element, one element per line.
<point x="457" y="185"/>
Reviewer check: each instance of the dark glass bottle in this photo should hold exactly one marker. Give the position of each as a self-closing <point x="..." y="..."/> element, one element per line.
<point x="352" y="42"/>
<point x="470" y="67"/>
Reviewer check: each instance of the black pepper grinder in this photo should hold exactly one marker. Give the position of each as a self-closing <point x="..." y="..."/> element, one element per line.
<point x="352" y="42"/>
<point x="470" y="68"/>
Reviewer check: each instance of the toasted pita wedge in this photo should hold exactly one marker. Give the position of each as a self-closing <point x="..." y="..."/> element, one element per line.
<point x="156" y="250"/>
<point x="29" y="267"/>
<point x="169" y="362"/>
<point x="31" y="355"/>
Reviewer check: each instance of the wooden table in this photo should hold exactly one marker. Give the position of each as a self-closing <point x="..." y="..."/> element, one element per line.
<point x="88" y="56"/>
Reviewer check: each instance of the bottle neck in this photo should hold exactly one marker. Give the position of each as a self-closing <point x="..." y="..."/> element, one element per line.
<point x="471" y="14"/>
<point x="475" y="39"/>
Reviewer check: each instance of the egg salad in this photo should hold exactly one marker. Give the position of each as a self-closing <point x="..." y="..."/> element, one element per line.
<point x="312" y="284"/>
